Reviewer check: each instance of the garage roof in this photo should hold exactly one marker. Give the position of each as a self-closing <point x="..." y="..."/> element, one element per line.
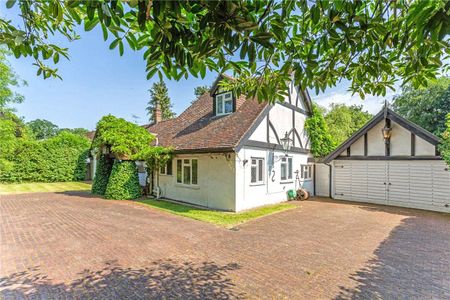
<point x="388" y="114"/>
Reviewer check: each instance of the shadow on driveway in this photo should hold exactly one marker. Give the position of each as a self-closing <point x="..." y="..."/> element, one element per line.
<point x="162" y="279"/>
<point x="412" y="262"/>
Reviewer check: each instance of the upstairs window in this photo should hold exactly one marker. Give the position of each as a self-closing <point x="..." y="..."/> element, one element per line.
<point x="224" y="104"/>
<point x="286" y="168"/>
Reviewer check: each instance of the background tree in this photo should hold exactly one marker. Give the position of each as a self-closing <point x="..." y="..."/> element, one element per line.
<point x="199" y="91"/>
<point x="8" y="80"/>
<point x="343" y="121"/>
<point x="427" y="107"/>
<point x="373" y="44"/>
<point x="159" y="94"/>
<point x="78" y="131"/>
<point x="319" y="136"/>
<point x="445" y="145"/>
<point x="43" y="129"/>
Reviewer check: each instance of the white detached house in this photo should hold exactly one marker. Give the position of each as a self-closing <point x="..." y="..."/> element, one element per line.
<point x="228" y="152"/>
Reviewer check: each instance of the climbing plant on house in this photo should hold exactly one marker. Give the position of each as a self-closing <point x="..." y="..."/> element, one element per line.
<point x="102" y="174"/>
<point x="123" y="182"/>
<point x="126" y="143"/>
<point x="318" y="133"/>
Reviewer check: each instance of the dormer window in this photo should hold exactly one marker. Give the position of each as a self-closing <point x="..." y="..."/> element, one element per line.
<point x="224" y="104"/>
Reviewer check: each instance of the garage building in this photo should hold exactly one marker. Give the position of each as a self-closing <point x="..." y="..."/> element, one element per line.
<point x="389" y="161"/>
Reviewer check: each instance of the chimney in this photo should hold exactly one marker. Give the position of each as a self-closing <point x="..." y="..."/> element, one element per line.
<point x="157" y="113"/>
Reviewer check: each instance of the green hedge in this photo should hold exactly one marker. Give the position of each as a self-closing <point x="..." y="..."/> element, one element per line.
<point x="101" y="177"/>
<point x="123" y="183"/>
<point x="61" y="158"/>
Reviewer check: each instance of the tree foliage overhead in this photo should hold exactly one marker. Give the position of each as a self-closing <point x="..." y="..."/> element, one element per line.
<point x="427" y="107"/>
<point x="343" y="121"/>
<point x="263" y="42"/>
<point x="159" y="94"/>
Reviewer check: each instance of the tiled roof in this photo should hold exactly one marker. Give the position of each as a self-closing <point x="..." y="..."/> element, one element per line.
<point x="197" y="129"/>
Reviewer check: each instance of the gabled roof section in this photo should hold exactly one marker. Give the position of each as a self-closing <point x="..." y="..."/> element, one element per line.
<point x="215" y="85"/>
<point x="198" y="130"/>
<point x="393" y="116"/>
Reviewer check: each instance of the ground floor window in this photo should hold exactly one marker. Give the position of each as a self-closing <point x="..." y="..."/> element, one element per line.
<point x="286" y="168"/>
<point x="306" y="172"/>
<point x="166" y="169"/>
<point x="187" y="171"/>
<point x="257" y="170"/>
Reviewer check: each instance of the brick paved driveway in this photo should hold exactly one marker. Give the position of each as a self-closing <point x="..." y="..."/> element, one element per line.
<point x="64" y="246"/>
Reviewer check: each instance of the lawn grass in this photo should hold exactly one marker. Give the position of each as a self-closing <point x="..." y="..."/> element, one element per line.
<point x="38" y="187"/>
<point x="226" y="219"/>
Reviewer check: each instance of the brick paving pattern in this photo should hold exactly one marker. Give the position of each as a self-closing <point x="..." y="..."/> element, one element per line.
<point x="74" y="246"/>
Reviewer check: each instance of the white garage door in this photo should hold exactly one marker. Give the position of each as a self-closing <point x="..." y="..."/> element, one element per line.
<point x="413" y="183"/>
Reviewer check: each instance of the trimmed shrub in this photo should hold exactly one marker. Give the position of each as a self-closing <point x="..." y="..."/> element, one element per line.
<point x="102" y="174"/>
<point x="61" y="158"/>
<point x="123" y="183"/>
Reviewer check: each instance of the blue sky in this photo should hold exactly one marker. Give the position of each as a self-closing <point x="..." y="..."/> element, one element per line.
<point x="97" y="81"/>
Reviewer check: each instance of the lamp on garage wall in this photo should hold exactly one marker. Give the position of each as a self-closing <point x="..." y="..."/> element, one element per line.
<point x="387" y="131"/>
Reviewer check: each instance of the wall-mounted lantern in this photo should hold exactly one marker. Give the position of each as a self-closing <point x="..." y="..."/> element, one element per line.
<point x="386" y="131"/>
<point x="286" y="143"/>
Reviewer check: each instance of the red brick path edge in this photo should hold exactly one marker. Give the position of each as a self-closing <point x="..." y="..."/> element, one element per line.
<point x="75" y="246"/>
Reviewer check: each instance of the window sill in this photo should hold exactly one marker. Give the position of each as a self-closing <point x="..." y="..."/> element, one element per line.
<point x="165" y="175"/>
<point x="286" y="182"/>
<point x="187" y="186"/>
<point x="309" y="179"/>
<point x="257" y="184"/>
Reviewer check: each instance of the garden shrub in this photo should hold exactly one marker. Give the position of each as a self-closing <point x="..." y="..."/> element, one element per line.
<point x="102" y="174"/>
<point x="61" y="158"/>
<point x="123" y="182"/>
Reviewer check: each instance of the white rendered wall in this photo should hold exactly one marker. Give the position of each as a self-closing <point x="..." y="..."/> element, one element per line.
<point x="423" y="148"/>
<point x="400" y="140"/>
<point x="273" y="190"/>
<point x="400" y="143"/>
<point x="216" y="182"/>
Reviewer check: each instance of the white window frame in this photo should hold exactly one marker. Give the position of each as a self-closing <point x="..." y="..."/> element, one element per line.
<point x="163" y="169"/>
<point x="287" y="161"/>
<point x="306" y="169"/>
<point x="255" y="163"/>
<point x="186" y="162"/>
<point x="223" y="97"/>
